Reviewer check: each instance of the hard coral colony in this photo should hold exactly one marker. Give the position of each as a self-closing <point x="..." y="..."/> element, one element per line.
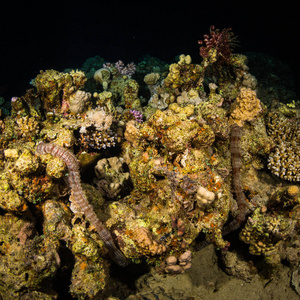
<point x="171" y="159"/>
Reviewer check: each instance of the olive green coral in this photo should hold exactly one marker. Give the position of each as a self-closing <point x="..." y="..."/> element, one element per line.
<point x="28" y="266"/>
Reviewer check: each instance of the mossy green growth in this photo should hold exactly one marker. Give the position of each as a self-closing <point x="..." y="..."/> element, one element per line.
<point x="24" y="267"/>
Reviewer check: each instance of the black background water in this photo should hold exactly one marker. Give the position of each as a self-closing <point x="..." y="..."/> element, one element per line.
<point x="40" y="35"/>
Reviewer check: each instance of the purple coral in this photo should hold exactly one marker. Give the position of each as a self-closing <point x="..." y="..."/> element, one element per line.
<point x="138" y="116"/>
<point x="120" y="67"/>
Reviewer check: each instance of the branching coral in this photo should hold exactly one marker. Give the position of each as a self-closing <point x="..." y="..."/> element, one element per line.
<point x="284" y="159"/>
<point x="95" y="132"/>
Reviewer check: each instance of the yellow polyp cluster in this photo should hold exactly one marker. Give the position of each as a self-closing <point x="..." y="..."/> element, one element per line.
<point x="292" y="191"/>
<point x="183" y="75"/>
<point x="27" y="127"/>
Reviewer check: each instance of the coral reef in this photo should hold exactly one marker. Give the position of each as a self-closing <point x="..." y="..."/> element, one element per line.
<point x="245" y="108"/>
<point x="27" y="263"/>
<point x="146" y="163"/>
<point x="79" y="196"/>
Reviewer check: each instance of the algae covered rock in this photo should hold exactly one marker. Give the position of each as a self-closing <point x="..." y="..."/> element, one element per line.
<point x="27" y="263"/>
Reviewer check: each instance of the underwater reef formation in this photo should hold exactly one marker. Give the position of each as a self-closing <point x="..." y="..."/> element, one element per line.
<point x="147" y="163"/>
<point x="79" y="197"/>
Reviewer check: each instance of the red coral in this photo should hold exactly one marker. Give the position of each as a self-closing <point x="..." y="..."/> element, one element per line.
<point x="223" y="41"/>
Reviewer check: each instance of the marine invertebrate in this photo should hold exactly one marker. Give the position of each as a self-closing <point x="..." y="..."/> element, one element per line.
<point x="245" y="108"/>
<point x="284" y="160"/>
<point x="25" y="268"/>
<point x="137" y="115"/>
<point x="103" y="76"/>
<point x="79" y="101"/>
<point x="80" y="197"/>
<point x="120" y="68"/>
<point x="54" y="86"/>
<point x="204" y="197"/>
<point x="183" y="76"/>
<point x="160" y="99"/>
<point x="91" y="138"/>
<point x="27" y="127"/>
<point x="217" y="45"/>
<point x="236" y="161"/>
<point x="151" y="80"/>
<point x="130" y="95"/>
<point x="265" y="232"/>
<point x="112" y="181"/>
<point x="176" y="265"/>
<point x="95" y="132"/>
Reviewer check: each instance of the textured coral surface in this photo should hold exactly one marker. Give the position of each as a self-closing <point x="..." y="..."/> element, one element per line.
<point x="146" y="164"/>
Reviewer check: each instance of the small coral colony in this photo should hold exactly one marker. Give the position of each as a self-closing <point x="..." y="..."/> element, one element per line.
<point x="146" y="163"/>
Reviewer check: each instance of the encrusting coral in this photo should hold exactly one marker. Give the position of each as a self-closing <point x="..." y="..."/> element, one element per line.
<point x="161" y="177"/>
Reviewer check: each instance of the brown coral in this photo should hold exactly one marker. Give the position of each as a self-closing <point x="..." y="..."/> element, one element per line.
<point x="245" y="108"/>
<point x="144" y="241"/>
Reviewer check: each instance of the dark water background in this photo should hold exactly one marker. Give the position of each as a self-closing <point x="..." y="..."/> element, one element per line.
<point x="40" y="35"/>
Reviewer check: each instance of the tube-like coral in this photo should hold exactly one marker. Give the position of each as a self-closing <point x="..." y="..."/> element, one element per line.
<point x="80" y="197"/>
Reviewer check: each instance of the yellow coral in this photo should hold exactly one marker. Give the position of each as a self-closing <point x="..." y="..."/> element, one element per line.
<point x="132" y="134"/>
<point x="245" y="108"/>
<point x="27" y="126"/>
<point x="152" y="78"/>
<point x="103" y="76"/>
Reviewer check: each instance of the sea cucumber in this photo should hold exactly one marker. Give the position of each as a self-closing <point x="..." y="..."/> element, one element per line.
<point x="81" y="200"/>
<point x="236" y="162"/>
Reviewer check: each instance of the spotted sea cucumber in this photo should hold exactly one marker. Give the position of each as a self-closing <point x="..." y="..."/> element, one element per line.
<point x="80" y="198"/>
